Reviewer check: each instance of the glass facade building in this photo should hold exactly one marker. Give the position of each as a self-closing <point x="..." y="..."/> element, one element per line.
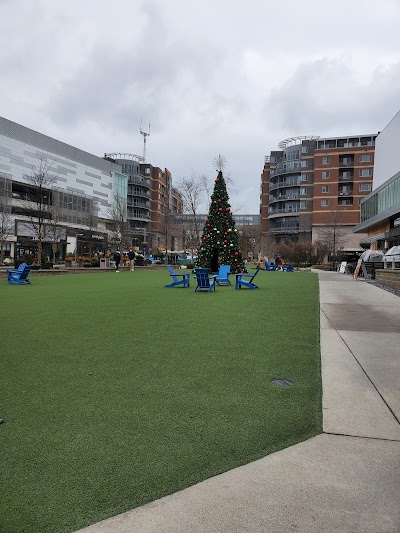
<point x="382" y="199"/>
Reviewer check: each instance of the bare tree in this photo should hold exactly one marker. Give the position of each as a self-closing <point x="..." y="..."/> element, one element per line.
<point x="249" y="241"/>
<point x="53" y="231"/>
<point x="192" y="190"/>
<point x="207" y="186"/>
<point x="6" y="225"/>
<point x="190" y="236"/>
<point x="37" y="201"/>
<point x="333" y="235"/>
<point x="267" y="245"/>
<point x="306" y="253"/>
<point x="92" y="221"/>
<point x="118" y="216"/>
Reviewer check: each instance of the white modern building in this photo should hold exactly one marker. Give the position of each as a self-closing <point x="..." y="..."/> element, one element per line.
<point x="84" y="186"/>
<point x="380" y="210"/>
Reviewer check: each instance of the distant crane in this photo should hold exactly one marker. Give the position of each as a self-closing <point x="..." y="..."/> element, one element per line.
<point x="145" y="134"/>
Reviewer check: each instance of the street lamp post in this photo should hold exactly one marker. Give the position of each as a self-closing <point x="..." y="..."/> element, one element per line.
<point x="76" y="244"/>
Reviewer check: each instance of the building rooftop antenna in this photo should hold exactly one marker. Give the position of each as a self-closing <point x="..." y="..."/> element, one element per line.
<point x="145" y="134"/>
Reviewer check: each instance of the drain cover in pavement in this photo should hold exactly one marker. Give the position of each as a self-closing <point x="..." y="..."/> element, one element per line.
<point x="282" y="382"/>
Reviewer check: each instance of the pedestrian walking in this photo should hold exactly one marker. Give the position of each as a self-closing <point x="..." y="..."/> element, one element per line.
<point x="280" y="263"/>
<point x="131" y="257"/>
<point x="117" y="259"/>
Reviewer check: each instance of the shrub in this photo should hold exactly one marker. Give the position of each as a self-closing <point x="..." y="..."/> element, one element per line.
<point x="95" y="263"/>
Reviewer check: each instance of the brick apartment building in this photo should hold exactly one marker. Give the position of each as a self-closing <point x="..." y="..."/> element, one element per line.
<point x="312" y="183"/>
<point x="166" y="200"/>
<point x="150" y="199"/>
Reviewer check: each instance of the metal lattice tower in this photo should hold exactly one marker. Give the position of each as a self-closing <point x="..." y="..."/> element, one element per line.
<point x="145" y="135"/>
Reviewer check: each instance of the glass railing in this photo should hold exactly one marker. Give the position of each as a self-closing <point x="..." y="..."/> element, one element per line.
<point x="286" y="210"/>
<point x="284" y="229"/>
<point x="286" y="183"/>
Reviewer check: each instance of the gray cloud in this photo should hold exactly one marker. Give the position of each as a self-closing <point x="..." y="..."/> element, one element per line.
<point x="324" y="97"/>
<point x="212" y="77"/>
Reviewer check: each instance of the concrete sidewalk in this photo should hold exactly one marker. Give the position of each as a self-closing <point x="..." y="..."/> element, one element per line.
<point x="345" y="480"/>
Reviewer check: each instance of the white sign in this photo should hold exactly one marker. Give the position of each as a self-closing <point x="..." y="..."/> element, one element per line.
<point x="343" y="266"/>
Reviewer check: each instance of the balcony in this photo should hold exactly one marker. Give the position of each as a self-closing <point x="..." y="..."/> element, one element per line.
<point x="345" y="177"/>
<point x="283" y="197"/>
<point x="286" y="168"/>
<point x="139" y="193"/>
<point x="139" y="216"/>
<point x="289" y="183"/>
<point x="345" y="193"/>
<point x="346" y="163"/>
<point x="139" y="180"/>
<point x="284" y="210"/>
<point x="139" y="205"/>
<point x="284" y="229"/>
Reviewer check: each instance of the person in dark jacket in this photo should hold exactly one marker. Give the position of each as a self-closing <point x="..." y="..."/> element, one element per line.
<point x="117" y="259"/>
<point x="131" y="257"/>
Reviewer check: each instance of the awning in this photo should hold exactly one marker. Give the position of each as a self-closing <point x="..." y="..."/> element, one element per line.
<point x="373" y="238"/>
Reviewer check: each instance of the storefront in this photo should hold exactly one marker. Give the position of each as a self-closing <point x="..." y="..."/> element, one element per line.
<point x="86" y="243"/>
<point x="54" y="242"/>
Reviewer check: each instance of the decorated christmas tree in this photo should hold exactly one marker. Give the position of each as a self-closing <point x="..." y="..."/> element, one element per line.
<point x="220" y="242"/>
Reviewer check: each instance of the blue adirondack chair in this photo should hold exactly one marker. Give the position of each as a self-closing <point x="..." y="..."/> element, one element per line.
<point x="269" y="267"/>
<point x="205" y="282"/>
<point x="223" y="275"/>
<point x="19" y="276"/>
<point x="242" y="282"/>
<point x="178" y="279"/>
<point x="288" y="268"/>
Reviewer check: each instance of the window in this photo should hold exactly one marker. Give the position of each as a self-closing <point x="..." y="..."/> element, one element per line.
<point x="324" y="203"/>
<point x="325" y="174"/>
<point x="303" y="204"/>
<point x="365" y="187"/>
<point x="304" y="177"/>
<point x="365" y="172"/>
<point x="303" y="191"/>
<point x="364" y="158"/>
<point x="326" y="160"/>
<point x="147" y="170"/>
<point x="325" y="188"/>
<point x="304" y="149"/>
<point x="304" y="163"/>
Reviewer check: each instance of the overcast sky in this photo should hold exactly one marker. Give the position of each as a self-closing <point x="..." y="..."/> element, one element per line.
<point x="231" y="77"/>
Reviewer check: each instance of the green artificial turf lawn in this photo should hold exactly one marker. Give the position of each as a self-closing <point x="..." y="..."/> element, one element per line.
<point x="116" y="391"/>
